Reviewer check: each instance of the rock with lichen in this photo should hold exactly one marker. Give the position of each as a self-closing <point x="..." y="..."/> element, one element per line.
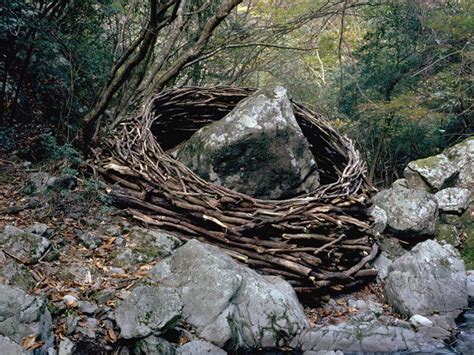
<point x="257" y="149"/>
<point x="431" y="174"/>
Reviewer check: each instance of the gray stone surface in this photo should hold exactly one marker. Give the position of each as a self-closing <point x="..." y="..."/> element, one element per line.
<point x="360" y="336"/>
<point x="420" y="321"/>
<point x="38" y="228"/>
<point x="448" y="234"/>
<point x="470" y="283"/>
<point x="65" y="347"/>
<point x="453" y="199"/>
<point x="382" y="263"/>
<point x="409" y="212"/>
<point x="400" y="183"/>
<point x="152" y="345"/>
<point x="22" y="315"/>
<point x="148" y="309"/>
<point x="41" y="181"/>
<point x="199" y="347"/>
<point x="392" y="247"/>
<point x="428" y="280"/>
<point x="380" y="219"/>
<point x="146" y="245"/>
<point x="27" y="247"/>
<point x="90" y="240"/>
<point x="462" y="156"/>
<point x="257" y="149"/>
<point x="14" y="274"/>
<point x="9" y="347"/>
<point x="226" y="301"/>
<point x="431" y="174"/>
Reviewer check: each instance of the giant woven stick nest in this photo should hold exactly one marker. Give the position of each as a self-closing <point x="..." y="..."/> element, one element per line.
<point x="318" y="241"/>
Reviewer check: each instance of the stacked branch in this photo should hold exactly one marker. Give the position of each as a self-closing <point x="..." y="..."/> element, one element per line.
<point x="314" y="241"/>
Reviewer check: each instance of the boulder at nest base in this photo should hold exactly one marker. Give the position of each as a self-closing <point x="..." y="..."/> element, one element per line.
<point x="409" y="212"/>
<point x="257" y="149"/>
<point x="226" y="302"/>
<point x="462" y="156"/>
<point x="431" y="174"/>
<point x="428" y="280"/>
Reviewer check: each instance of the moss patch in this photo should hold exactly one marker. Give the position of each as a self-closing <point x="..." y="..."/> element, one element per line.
<point x="448" y="234"/>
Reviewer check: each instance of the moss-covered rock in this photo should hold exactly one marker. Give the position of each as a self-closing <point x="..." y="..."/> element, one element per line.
<point x="462" y="157"/>
<point x="257" y="149"/>
<point x="27" y="247"/>
<point x="467" y="229"/>
<point x="144" y="246"/>
<point x="431" y="174"/>
<point x="448" y="234"/>
<point x="14" y="274"/>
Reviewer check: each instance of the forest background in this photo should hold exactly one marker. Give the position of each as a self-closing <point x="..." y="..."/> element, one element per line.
<point x="396" y="76"/>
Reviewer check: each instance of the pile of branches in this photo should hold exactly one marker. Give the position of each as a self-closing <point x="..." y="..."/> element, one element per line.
<point x="315" y="241"/>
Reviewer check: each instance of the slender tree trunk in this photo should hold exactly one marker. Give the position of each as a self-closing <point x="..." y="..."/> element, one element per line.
<point x="123" y="69"/>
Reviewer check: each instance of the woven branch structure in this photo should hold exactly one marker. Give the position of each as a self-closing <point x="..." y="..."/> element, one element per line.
<point x="316" y="241"/>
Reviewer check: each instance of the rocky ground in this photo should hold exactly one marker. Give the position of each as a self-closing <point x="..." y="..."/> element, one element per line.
<point x="77" y="276"/>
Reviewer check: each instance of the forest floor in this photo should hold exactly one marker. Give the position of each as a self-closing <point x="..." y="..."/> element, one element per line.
<point x="79" y="274"/>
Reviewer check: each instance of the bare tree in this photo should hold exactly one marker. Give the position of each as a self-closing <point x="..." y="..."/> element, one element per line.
<point x="162" y="14"/>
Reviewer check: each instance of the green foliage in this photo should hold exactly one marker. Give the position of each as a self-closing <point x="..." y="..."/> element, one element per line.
<point x="46" y="148"/>
<point x="409" y="92"/>
<point x="94" y="191"/>
<point x="53" y="63"/>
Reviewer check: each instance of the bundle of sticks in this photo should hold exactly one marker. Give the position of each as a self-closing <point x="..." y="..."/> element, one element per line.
<point x="317" y="241"/>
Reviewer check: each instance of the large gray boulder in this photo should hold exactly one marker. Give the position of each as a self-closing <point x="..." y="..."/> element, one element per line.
<point x="9" y="347"/>
<point x="430" y="279"/>
<point x="22" y="315"/>
<point x="365" y="336"/>
<point x="199" y="347"/>
<point x="257" y="149"/>
<point x="409" y="212"/>
<point x="431" y="174"/>
<point x="149" y="310"/>
<point x="228" y="303"/>
<point x="27" y="247"/>
<point x="462" y="156"/>
<point x="453" y="199"/>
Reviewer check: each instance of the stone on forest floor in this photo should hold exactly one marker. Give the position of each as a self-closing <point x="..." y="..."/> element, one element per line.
<point x="453" y="199"/>
<point x="199" y="347"/>
<point x="365" y="336"/>
<point x="90" y="240"/>
<point x="430" y="279"/>
<point x="470" y="283"/>
<point x="257" y="149"/>
<point x="462" y="156"/>
<point x="448" y="234"/>
<point x="38" y="228"/>
<point x="227" y="302"/>
<point x="409" y="212"/>
<point x="382" y="263"/>
<point x="25" y="246"/>
<point x="149" y="309"/>
<point x="41" y="181"/>
<point x="9" y="347"/>
<point x="431" y="174"/>
<point x="400" y="184"/>
<point x="380" y="219"/>
<point x="153" y="345"/>
<point x="23" y="315"/>
<point x="144" y="246"/>
<point x="420" y="321"/>
<point x="14" y="274"/>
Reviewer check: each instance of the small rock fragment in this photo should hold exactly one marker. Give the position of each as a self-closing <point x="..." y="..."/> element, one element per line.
<point x="420" y="321"/>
